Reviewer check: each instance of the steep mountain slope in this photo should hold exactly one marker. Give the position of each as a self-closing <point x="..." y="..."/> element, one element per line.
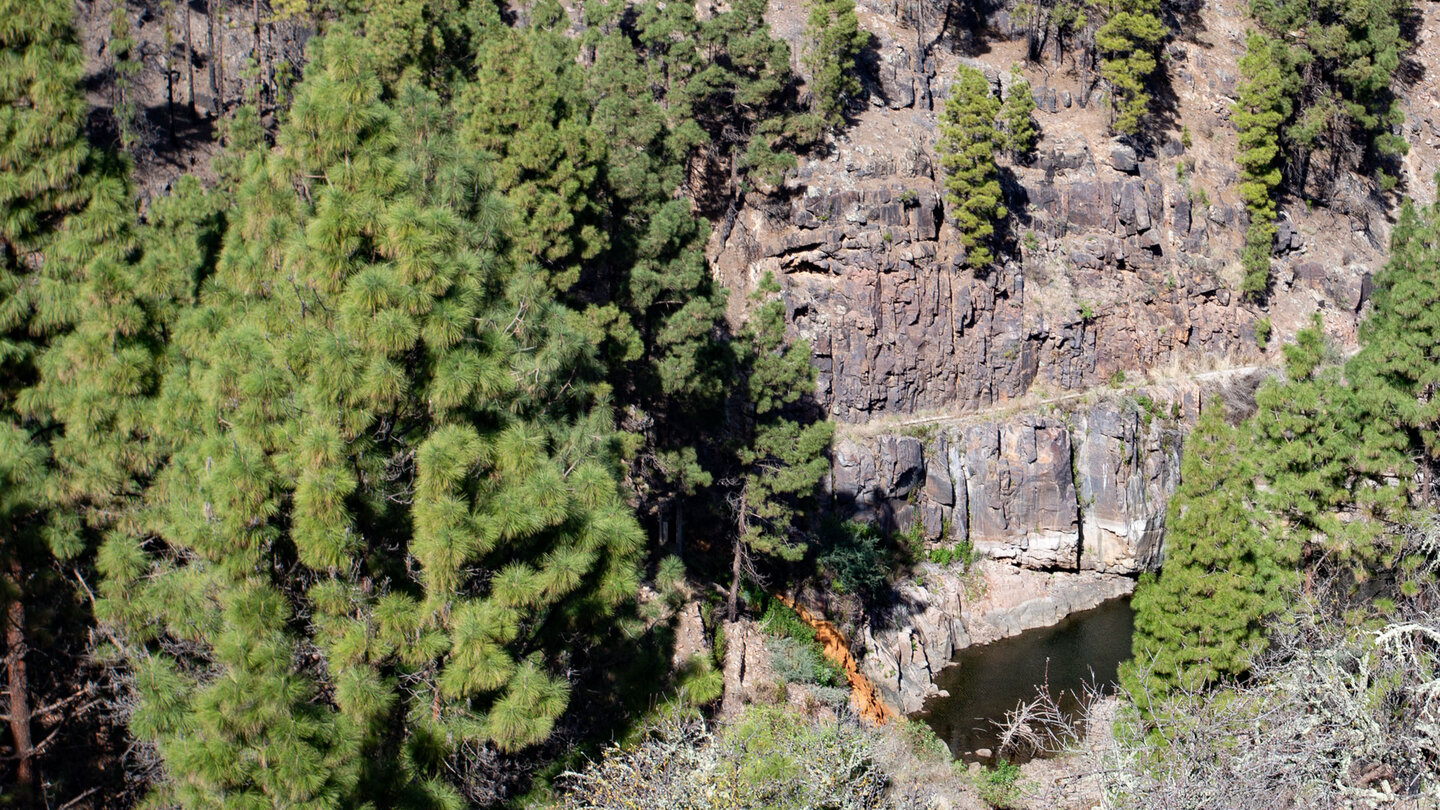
<point x="1035" y="410"/>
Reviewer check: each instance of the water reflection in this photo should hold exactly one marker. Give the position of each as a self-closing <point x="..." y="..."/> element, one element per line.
<point x="988" y="680"/>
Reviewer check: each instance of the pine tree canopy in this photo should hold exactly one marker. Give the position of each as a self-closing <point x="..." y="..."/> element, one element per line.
<point x="1399" y="362"/>
<point x="1201" y="620"/>
<point x="835" y="40"/>
<point x="1260" y="110"/>
<point x="390" y="486"/>
<point x="967" y="146"/>
<point x="1128" y="42"/>
<point x="783" y="458"/>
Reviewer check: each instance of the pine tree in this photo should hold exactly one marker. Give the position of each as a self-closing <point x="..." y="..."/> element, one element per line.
<point x="723" y="82"/>
<point x="1016" y="119"/>
<point x="1127" y="43"/>
<point x="1201" y="620"/>
<point x="783" y="455"/>
<point x="526" y="109"/>
<point x="967" y="146"/>
<point x="390" y="502"/>
<point x="1330" y="469"/>
<point x="1261" y="109"/>
<point x="835" y="40"/>
<point x="74" y="352"/>
<point x="658" y="276"/>
<point x="1397" y="370"/>
<point x="1342" y="59"/>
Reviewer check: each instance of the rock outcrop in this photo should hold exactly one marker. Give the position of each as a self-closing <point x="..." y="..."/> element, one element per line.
<point x="1079" y="490"/>
<point x="1119" y="257"/>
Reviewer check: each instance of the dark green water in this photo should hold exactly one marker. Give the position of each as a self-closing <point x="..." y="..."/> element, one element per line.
<point x="988" y="680"/>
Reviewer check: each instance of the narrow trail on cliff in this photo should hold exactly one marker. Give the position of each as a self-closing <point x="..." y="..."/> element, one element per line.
<point x="864" y="697"/>
<point x="1027" y="403"/>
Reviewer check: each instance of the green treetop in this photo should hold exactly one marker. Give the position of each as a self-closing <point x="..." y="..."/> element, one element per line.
<point x="1261" y="107"/>
<point x="834" y="41"/>
<point x="1398" y="366"/>
<point x="1016" y="120"/>
<point x="1341" y="58"/>
<point x="1333" y="475"/>
<point x="526" y="109"/>
<point x="1128" y="42"/>
<point x="967" y="146"/>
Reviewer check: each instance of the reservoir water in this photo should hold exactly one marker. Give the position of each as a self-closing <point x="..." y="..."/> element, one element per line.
<point x="986" y="681"/>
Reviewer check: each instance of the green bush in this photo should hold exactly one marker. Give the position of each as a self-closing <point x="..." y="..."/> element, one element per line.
<point x="854" y="556"/>
<point x="962" y="552"/>
<point x="810" y="667"/>
<point x="922" y="742"/>
<point x="797" y="662"/>
<point x="770" y="757"/>
<point x="782" y="622"/>
<point x="999" y="786"/>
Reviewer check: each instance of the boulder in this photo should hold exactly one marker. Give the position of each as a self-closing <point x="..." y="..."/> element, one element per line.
<point x="1124" y="159"/>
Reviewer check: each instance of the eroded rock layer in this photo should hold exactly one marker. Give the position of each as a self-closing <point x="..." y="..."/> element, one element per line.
<point x="1078" y="490"/>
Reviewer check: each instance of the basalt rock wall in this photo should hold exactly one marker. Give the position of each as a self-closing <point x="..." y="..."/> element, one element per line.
<point x="1079" y="490"/>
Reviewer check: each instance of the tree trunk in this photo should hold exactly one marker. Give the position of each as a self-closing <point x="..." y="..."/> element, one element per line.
<point x="256" y="53"/>
<point x="732" y="599"/>
<point x="217" y="56"/>
<point x="189" y="56"/>
<point x="16" y="682"/>
<point x="170" y="97"/>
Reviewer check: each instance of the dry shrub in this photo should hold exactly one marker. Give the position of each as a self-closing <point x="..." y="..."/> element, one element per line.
<point x="767" y="757"/>
<point x="1333" y="716"/>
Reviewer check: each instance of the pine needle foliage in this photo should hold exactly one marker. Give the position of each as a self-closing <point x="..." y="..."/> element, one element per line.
<point x="1129" y="42"/>
<point x="80" y="321"/>
<point x="1341" y="57"/>
<point x="391" y="483"/>
<point x="80" y="329"/>
<point x="782" y="455"/>
<point x="967" y="146"/>
<point x="526" y="109"/>
<point x="1398" y="366"/>
<point x="1201" y="620"/>
<point x="1017" y="120"/>
<point x="725" y="84"/>
<point x="834" y="40"/>
<point x="1261" y="108"/>
<point x="1336" y="476"/>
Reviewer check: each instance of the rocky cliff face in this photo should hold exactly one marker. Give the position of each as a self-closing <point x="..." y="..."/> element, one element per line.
<point x="1067" y="506"/>
<point x="1076" y="490"/>
<point x="1121" y="277"/>
<point x="1124" y="258"/>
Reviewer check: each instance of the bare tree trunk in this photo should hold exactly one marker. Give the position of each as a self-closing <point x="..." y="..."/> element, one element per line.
<point x="189" y="56"/>
<point x="732" y="599"/>
<point x="256" y="53"/>
<point x="170" y="96"/>
<point x="217" y="56"/>
<point x="16" y="682"/>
